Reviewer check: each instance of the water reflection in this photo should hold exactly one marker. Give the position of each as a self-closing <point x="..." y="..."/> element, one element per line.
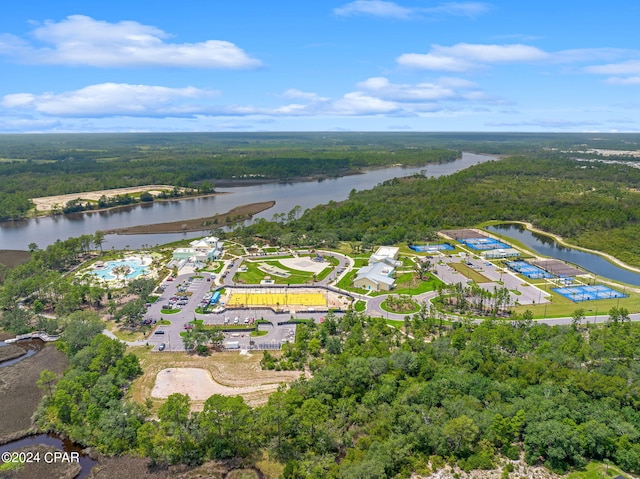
<point x="547" y="246"/>
<point x="45" y="231"/>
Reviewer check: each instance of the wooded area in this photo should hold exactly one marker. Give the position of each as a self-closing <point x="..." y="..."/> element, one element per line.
<point x="594" y="205"/>
<point x="44" y="165"/>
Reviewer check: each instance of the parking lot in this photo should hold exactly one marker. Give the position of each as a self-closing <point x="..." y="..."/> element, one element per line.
<point x="186" y="293"/>
<point x="528" y="294"/>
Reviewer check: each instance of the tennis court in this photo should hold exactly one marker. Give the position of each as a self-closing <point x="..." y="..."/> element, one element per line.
<point x="251" y="300"/>
<point x="525" y="269"/>
<point x="482" y="244"/>
<point x="431" y="248"/>
<point x="589" y="293"/>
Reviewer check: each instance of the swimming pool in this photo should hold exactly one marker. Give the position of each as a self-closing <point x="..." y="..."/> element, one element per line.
<point x="132" y="269"/>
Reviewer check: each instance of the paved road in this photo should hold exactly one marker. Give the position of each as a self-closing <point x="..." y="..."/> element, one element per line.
<point x="276" y="334"/>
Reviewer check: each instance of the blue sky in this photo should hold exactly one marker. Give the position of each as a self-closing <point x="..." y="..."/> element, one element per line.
<point x="364" y="65"/>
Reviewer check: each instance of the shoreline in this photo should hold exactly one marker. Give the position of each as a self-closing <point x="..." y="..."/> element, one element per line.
<point x="237" y="214"/>
<point x="561" y="241"/>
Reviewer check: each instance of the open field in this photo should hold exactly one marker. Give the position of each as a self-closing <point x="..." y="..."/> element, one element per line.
<point x="45" y="204"/>
<point x="198" y="384"/>
<point x="228" y="370"/>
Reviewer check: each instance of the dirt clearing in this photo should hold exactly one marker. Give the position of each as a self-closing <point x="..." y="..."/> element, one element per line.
<point x="227" y="372"/>
<point x="198" y="385"/>
<point x="45" y="204"/>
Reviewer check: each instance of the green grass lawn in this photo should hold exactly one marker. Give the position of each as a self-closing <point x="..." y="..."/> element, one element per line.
<point x="360" y="306"/>
<point x="597" y="470"/>
<point x="254" y="275"/>
<point x="408" y="283"/>
<point x="169" y="311"/>
<point x="395" y="324"/>
<point x="346" y="283"/>
<point x="412" y="307"/>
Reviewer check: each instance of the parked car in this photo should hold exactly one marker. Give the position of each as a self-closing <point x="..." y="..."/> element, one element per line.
<point x="159" y="331"/>
<point x="161" y="347"/>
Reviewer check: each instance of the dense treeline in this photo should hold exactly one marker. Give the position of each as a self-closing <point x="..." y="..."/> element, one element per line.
<point x="14" y="206"/>
<point x="595" y="205"/>
<point x="60" y="164"/>
<point x="43" y="278"/>
<point x="386" y="405"/>
<point x="382" y="404"/>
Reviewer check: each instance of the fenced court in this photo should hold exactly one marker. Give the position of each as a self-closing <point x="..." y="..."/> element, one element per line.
<point x="525" y="269"/>
<point x="558" y="268"/>
<point x="589" y="293"/>
<point x="482" y="244"/>
<point x="270" y="299"/>
<point x="431" y="248"/>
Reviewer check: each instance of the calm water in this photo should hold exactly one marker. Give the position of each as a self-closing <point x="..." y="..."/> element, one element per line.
<point x="547" y="246"/>
<point x="30" y="346"/>
<point x="44" y="231"/>
<point x="86" y="463"/>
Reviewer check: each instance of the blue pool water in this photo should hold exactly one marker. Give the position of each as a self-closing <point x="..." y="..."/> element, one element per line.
<point x="136" y="268"/>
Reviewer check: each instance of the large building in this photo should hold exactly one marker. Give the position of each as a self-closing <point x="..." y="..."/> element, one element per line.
<point x="386" y="254"/>
<point x="375" y="277"/>
<point x="205" y="249"/>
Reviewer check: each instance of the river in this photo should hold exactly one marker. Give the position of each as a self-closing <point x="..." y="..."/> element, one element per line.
<point x="547" y="246"/>
<point x="46" y="230"/>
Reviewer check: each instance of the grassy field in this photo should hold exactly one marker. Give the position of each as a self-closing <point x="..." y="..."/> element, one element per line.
<point x="228" y="369"/>
<point x="254" y="275"/>
<point x="469" y="273"/>
<point x="597" y="470"/>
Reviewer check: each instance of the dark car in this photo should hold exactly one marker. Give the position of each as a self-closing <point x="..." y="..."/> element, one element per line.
<point x="159" y="331"/>
<point x="161" y="347"/>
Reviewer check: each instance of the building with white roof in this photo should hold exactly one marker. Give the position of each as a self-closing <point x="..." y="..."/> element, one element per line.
<point x="375" y="277"/>
<point x="205" y="249"/>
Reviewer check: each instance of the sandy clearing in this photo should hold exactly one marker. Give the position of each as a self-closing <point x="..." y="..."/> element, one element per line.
<point x="46" y="203"/>
<point x="198" y="384"/>
<point x="304" y="264"/>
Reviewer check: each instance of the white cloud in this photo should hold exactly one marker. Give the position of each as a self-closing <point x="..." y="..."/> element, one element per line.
<point x="465" y="56"/>
<point x="380" y="8"/>
<point x="375" y="8"/>
<point x="358" y="103"/>
<point x="310" y="96"/>
<point x="107" y="99"/>
<point x="383" y="88"/>
<point x="631" y="67"/>
<point x="376" y="96"/>
<point x="81" y="40"/>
